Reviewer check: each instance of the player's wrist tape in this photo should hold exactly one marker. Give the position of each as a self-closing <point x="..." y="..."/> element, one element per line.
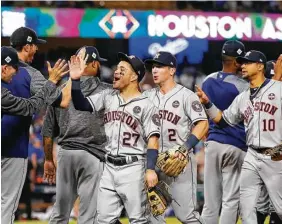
<point x="152" y="156"/>
<point x="211" y="110"/>
<point x="191" y="142"/>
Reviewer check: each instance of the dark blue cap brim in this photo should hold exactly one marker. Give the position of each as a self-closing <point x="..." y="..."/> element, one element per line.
<point x="241" y="60"/>
<point x="40" y="41"/>
<point x="102" y="59"/>
<point x="150" y="62"/>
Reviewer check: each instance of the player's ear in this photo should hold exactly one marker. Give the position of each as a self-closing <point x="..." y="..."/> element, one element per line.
<point x="27" y="47"/>
<point x="260" y="67"/>
<point x="134" y="77"/>
<point x="172" y="71"/>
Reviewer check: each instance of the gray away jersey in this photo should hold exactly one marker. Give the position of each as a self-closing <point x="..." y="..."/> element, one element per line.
<point x="179" y="109"/>
<point x="128" y="125"/>
<point x="262" y="119"/>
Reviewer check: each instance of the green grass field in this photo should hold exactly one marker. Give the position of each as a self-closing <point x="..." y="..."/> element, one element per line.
<point x="124" y="221"/>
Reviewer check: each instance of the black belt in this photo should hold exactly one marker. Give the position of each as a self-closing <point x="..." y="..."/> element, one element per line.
<point x="121" y="160"/>
<point x="261" y="150"/>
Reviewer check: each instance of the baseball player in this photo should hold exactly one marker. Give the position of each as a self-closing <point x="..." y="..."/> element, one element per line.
<point x="15" y="129"/>
<point x="264" y="205"/>
<point x="132" y="125"/>
<point x="225" y="148"/>
<point x="260" y="109"/>
<point x="179" y="110"/>
<point x="79" y="133"/>
<point x="11" y="104"/>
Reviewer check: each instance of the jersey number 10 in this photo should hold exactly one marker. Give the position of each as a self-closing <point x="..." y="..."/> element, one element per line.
<point x="268" y="125"/>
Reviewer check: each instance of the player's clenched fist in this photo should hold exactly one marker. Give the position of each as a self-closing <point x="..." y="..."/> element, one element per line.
<point x="151" y="178"/>
<point x="201" y="94"/>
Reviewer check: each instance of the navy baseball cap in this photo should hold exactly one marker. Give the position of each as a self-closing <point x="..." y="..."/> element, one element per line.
<point x="23" y="36"/>
<point x="136" y="63"/>
<point x="163" y="58"/>
<point x="252" y="56"/>
<point x="269" y="71"/>
<point x="9" y="56"/>
<point x="93" y="54"/>
<point x="233" y="48"/>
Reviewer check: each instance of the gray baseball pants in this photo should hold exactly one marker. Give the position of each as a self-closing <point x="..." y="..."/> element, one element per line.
<point x="78" y="175"/>
<point x="13" y="174"/>
<point x="257" y="170"/>
<point x="221" y="182"/>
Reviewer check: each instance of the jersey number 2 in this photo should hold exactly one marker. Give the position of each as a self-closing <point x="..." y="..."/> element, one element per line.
<point x="172" y="135"/>
<point x="268" y="125"/>
<point x="127" y="139"/>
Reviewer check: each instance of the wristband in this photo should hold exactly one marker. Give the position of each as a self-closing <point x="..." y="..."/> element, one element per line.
<point x="152" y="156"/>
<point x="191" y="142"/>
<point x="211" y="111"/>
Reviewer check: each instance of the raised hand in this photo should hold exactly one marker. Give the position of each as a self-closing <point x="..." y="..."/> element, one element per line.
<point x="77" y="66"/>
<point x="202" y="96"/>
<point x="278" y="69"/>
<point x="58" y="71"/>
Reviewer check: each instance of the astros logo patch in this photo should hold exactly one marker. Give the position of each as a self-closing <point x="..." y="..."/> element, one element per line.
<point x="175" y="104"/>
<point x="136" y="109"/>
<point x="271" y="96"/>
<point x="156" y="119"/>
<point x="197" y="106"/>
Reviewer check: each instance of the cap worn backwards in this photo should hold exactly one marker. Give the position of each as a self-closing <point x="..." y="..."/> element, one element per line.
<point x="233" y="48"/>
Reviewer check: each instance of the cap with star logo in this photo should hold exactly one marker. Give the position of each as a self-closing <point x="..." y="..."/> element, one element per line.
<point x="163" y="58"/>
<point x="233" y="48"/>
<point x="252" y="56"/>
<point x="136" y="63"/>
<point x="23" y="36"/>
<point x="9" y="56"/>
<point x="92" y="52"/>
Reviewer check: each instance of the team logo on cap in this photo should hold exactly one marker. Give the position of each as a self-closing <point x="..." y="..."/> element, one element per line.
<point x="29" y="39"/>
<point x="131" y="56"/>
<point x="156" y="119"/>
<point x="248" y="53"/>
<point x="8" y="59"/>
<point x="239" y="51"/>
<point x="157" y="55"/>
<point x="271" y="96"/>
<point x="94" y="55"/>
<point x="175" y="104"/>
<point x="197" y="106"/>
<point x="136" y="109"/>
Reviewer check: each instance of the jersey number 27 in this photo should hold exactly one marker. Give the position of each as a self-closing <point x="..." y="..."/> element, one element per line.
<point x="127" y="136"/>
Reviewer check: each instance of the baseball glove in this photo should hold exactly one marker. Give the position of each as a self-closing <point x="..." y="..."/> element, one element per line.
<point x="275" y="152"/>
<point x="169" y="164"/>
<point x="159" y="198"/>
